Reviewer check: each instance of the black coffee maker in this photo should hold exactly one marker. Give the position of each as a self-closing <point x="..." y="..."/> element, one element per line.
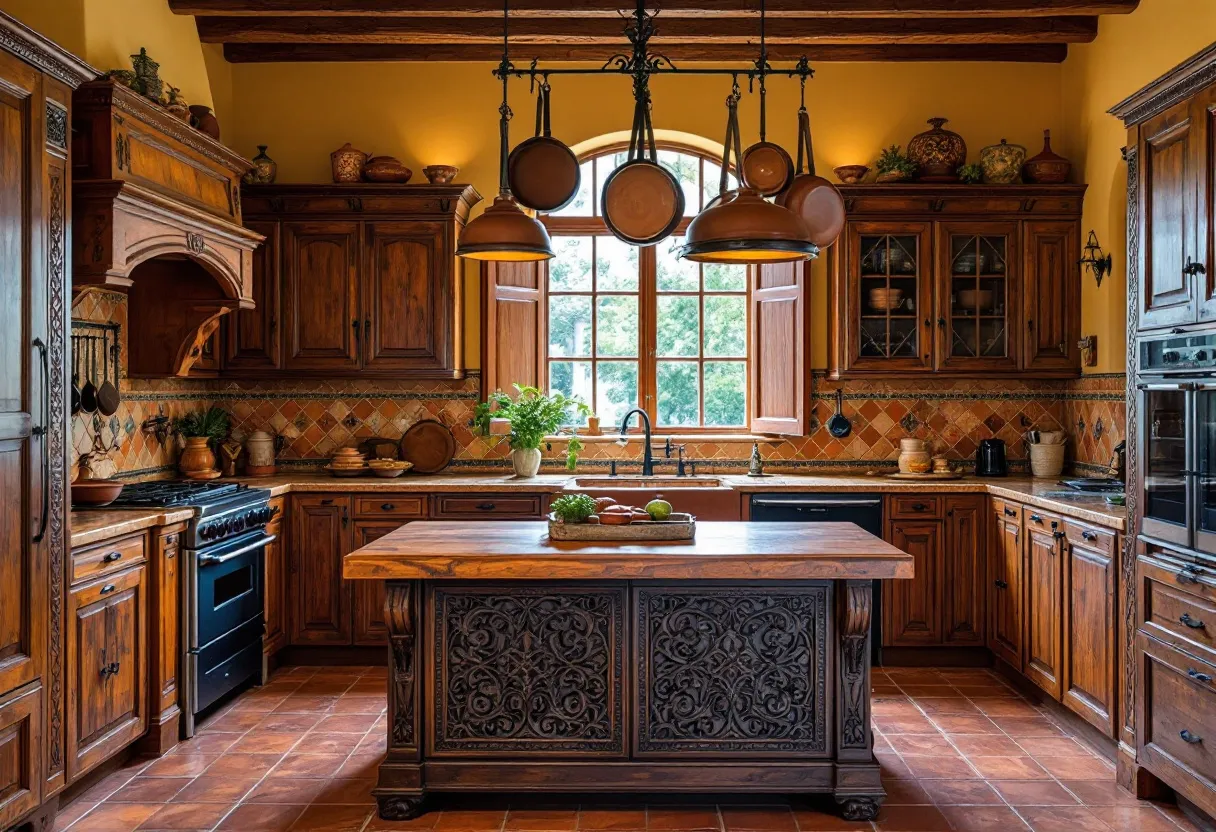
<point x="990" y="458"/>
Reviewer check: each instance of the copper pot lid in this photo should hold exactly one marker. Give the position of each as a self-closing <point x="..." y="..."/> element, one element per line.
<point x="542" y="171"/>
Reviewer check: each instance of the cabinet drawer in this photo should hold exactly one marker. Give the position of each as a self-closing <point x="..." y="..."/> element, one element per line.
<point x="20" y="753"/>
<point x="1007" y="510"/>
<point x="1178" y="604"/>
<point x="470" y="506"/>
<point x="1180" y="712"/>
<point x="390" y="505"/>
<point x="1090" y="536"/>
<point x="914" y="507"/>
<point x="108" y="557"/>
<point x="1036" y="518"/>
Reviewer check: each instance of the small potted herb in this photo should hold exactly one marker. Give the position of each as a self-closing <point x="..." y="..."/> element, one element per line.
<point x="894" y="165"/>
<point x="972" y="174"/>
<point x="202" y="431"/>
<point x="534" y="415"/>
<point x="573" y="508"/>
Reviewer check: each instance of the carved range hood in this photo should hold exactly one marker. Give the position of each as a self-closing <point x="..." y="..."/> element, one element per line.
<point x="157" y="214"/>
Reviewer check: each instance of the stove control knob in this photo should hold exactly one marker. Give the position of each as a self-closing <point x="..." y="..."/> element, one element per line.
<point x="206" y="532"/>
<point x="1202" y="355"/>
<point x="1169" y="356"/>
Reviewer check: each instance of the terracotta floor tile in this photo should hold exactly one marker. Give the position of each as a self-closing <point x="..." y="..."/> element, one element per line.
<point x="216" y="742"/>
<point x="612" y="820"/>
<point x="541" y="820"/>
<point x="289" y="723"/>
<point x="916" y="675"/>
<point x="811" y="821"/>
<point x="180" y="765"/>
<point x="894" y="706"/>
<point x="262" y="817"/>
<point x="187" y="816"/>
<point x="116" y="817"/>
<point x="922" y="744"/>
<point x="962" y="793"/>
<point x="892" y="767"/>
<point x="149" y="790"/>
<point x="1133" y="818"/>
<point x="756" y="819"/>
<point x="904" y="725"/>
<point x="106" y="786"/>
<point x="983" y="819"/>
<point x="69" y="814"/>
<point x="1053" y="747"/>
<point x="1101" y="792"/>
<point x="918" y="690"/>
<point x="470" y="820"/>
<point x="361" y="765"/>
<point x="360" y="704"/>
<point x="1078" y="768"/>
<point x="332" y="819"/>
<point x="299" y="704"/>
<point x="986" y="691"/>
<point x="350" y="791"/>
<point x="1062" y="819"/>
<point x="946" y="705"/>
<point x="911" y="819"/>
<point x="235" y="764"/>
<point x="939" y="768"/>
<point x="308" y="765"/>
<point x="1017" y="726"/>
<point x="965" y="724"/>
<point x="260" y="706"/>
<point x="267" y="742"/>
<point x="681" y="819"/>
<point x="985" y="745"/>
<point x="287" y="790"/>
<point x="425" y="823"/>
<point x="1009" y="768"/>
<point x="1006" y="707"/>
<point x="318" y="743"/>
<point x="1033" y="793"/>
<point x="347" y="723"/>
<point x="232" y="722"/>
<point x="216" y="788"/>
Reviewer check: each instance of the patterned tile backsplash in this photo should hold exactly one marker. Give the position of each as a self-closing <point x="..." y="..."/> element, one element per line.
<point x="316" y="417"/>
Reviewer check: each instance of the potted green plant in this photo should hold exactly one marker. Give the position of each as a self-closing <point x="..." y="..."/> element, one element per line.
<point x="971" y="174"/>
<point x="894" y="165"/>
<point x="202" y="431"/>
<point x="534" y="415"/>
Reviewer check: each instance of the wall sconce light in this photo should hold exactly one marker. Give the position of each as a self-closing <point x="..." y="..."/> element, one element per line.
<point x="1095" y="260"/>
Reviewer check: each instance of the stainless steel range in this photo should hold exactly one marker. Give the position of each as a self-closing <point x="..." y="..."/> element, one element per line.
<point x="222" y="596"/>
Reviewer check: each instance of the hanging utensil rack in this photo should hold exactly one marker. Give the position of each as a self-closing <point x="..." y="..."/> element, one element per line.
<point x="87" y="333"/>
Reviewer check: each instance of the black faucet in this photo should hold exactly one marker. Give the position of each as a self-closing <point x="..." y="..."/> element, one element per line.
<point x="647" y="456"/>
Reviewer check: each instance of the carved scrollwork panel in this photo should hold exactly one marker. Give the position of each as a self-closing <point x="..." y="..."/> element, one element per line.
<point x="399" y="616"/>
<point x="732" y="670"/>
<point x="854" y="655"/>
<point x="1127" y="565"/>
<point x="532" y="668"/>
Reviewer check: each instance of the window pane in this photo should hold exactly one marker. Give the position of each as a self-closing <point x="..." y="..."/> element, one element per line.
<point x="687" y="171"/>
<point x="581" y="205"/>
<point x="725" y="393"/>
<point x="604" y="166"/>
<point x="617" y="393"/>
<point x="720" y="277"/>
<point x="679" y="326"/>
<point x="570" y="270"/>
<point x="616" y="265"/>
<point x="569" y="325"/>
<point x="709" y="187"/>
<point x="677" y="387"/>
<point x="726" y="325"/>
<point x="616" y="325"/>
<point x="572" y="378"/>
<point x="674" y="274"/>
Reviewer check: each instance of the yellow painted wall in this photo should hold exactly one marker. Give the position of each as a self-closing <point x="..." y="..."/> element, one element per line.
<point x="447" y="113"/>
<point x="1129" y="52"/>
<point x="60" y="20"/>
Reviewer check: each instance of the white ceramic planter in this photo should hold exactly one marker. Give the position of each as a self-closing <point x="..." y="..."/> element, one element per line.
<point x="525" y="461"/>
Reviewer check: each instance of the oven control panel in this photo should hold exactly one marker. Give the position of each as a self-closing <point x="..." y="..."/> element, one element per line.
<point x="234" y="523"/>
<point x="1178" y="352"/>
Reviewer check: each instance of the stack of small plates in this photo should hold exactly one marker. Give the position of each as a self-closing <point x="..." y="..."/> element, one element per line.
<point x="347" y="462"/>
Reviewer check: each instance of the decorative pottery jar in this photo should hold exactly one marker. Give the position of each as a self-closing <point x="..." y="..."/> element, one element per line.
<point x="938" y="152"/>
<point x="203" y="120"/>
<point x="347" y="163"/>
<point x="913" y="458"/>
<point x="1048" y="168"/>
<point x="851" y="174"/>
<point x="525" y="461"/>
<point x="264" y="170"/>
<point x="196" y="460"/>
<point x="259" y="454"/>
<point x="440" y="174"/>
<point x="386" y="169"/>
<point x="1002" y="163"/>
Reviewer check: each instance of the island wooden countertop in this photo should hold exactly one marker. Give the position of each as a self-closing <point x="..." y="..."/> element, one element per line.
<point x="512" y="550"/>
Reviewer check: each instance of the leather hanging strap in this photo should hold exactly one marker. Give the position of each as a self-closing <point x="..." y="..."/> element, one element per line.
<point x="732" y="142"/>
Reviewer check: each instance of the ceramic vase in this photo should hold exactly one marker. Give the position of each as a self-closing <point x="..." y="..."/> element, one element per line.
<point x="525" y="461"/>
<point x="938" y="152"/>
<point x="196" y="460"/>
<point x="1002" y="163"/>
<point x="347" y="164"/>
<point x="264" y="170"/>
<point x="203" y="120"/>
<point x="913" y="458"/>
<point x="1048" y="168"/>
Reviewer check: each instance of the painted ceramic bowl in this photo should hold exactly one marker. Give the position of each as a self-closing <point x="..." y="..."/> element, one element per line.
<point x="851" y="174"/>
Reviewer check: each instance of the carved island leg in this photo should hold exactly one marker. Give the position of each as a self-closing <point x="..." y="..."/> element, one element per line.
<point x="859" y="789"/>
<point x="399" y="791"/>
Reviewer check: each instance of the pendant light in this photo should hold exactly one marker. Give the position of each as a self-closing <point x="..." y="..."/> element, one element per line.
<point x="504" y="232"/>
<point x="741" y="226"/>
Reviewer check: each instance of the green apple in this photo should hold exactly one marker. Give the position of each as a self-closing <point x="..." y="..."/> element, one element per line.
<point x="658" y="509"/>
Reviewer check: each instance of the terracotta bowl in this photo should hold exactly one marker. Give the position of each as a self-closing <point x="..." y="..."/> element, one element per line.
<point x="886" y="299"/>
<point x="388" y="468"/>
<point x="975" y="299"/>
<point x="440" y="174"/>
<point x="851" y="174"/>
<point x="95" y="492"/>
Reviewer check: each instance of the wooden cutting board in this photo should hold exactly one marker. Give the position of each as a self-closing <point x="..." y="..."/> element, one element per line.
<point x="429" y="445"/>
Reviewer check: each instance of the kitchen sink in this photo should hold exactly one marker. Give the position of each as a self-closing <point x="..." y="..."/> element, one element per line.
<point x="604" y="481"/>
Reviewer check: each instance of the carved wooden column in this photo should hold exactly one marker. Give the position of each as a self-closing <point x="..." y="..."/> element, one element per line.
<point x="402" y="767"/>
<point x="858" y="782"/>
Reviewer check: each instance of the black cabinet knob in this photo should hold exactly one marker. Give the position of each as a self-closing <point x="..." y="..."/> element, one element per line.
<point x="110" y="557"/>
<point x="1036" y="518"/>
<point x="1088" y="535"/>
<point x="1187" y="736"/>
<point x="1000" y="584"/>
<point x="387" y="506"/>
<point x="485" y="506"/>
<point x="1197" y="676"/>
<point x="1193" y="623"/>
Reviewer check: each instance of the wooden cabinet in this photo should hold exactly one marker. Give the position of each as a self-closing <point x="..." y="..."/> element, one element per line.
<point x="275" y="580"/>
<point x="363" y="277"/>
<point x="321" y="535"/>
<point x="164" y="647"/>
<point x="1090" y="639"/>
<point x="1005" y="583"/>
<point x="943" y="604"/>
<point x="1043" y="631"/>
<point x="368" y="601"/>
<point x="20" y="751"/>
<point x="107" y="667"/>
<point x="956" y="280"/>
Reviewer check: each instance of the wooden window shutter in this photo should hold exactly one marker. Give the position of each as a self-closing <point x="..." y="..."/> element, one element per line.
<point x="513" y="325"/>
<point x="779" y="353"/>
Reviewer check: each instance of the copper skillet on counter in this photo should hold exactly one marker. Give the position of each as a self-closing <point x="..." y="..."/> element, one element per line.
<point x="543" y="172"/>
<point x="642" y="202"/>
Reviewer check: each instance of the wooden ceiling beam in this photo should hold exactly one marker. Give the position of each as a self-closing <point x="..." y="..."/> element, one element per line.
<point x="607" y="32"/>
<point x="668" y="8"/>
<point x="680" y="53"/>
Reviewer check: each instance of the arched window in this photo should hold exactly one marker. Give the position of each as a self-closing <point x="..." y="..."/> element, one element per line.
<point x="637" y="327"/>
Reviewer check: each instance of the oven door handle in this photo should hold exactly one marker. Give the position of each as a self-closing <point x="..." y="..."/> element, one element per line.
<point x="816" y="503"/>
<point x="212" y="560"/>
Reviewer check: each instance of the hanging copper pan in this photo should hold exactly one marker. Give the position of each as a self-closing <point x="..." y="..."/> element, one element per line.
<point x="812" y="197"/>
<point x="543" y="173"/>
<point x="642" y="202"/>
<point x="766" y="166"/>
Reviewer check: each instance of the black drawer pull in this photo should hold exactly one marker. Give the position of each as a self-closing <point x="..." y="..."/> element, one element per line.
<point x="109" y="669"/>
<point x="485" y="506"/>
<point x="1197" y="676"/>
<point x="1057" y="535"/>
<point x="1187" y="736"/>
<point x="1187" y="575"/>
<point x="387" y="506"/>
<point x="1086" y="534"/>
<point x="327" y="502"/>
<point x="919" y="507"/>
<point x="1193" y="623"/>
<point x="110" y="557"/>
<point x="1036" y="518"/>
<point x="1000" y="584"/>
<point x="1010" y="512"/>
<point x="107" y="589"/>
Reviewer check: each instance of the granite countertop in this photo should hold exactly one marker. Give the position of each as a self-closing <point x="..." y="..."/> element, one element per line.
<point x="93" y="525"/>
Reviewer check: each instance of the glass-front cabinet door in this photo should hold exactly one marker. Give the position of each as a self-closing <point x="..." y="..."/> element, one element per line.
<point x="1205" y="467"/>
<point x="890" y="309"/>
<point x="1165" y="435"/>
<point x="976" y="296"/>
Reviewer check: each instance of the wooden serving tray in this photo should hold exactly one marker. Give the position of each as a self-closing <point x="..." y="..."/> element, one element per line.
<point x="679" y="526"/>
<point x="931" y="475"/>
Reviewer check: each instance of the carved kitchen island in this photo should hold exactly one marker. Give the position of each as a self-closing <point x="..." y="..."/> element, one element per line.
<point x="738" y="662"/>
